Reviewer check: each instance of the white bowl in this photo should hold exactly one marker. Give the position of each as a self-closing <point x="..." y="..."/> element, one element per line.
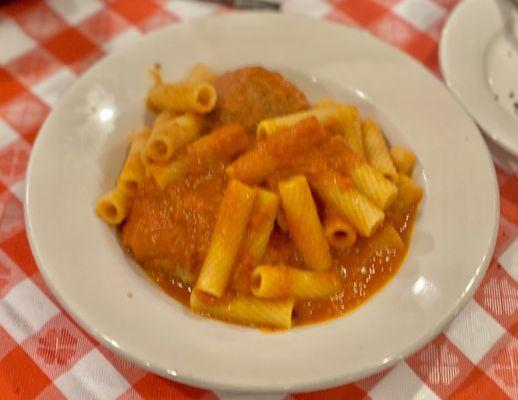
<point x="480" y="66"/>
<point x="80" y="149"/>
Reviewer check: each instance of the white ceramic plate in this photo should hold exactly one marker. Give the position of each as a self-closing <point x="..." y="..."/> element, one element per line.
<point x="81" y="147"/>
<point x="481" y="68"/>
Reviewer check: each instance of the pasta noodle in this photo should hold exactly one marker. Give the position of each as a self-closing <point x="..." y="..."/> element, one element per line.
<point x="199" y="97"/>
<point x="403" y="159"/>
<point x="376" y="150"/>
<point x="339" y="194"/>
<point x="340" y="235"/>
<point x="113" y="207"/>
<point x="303" y="223"/>
<point x="408" y="197"/>
<point x="271" y="154"/>
<point x="226" y="238"/>
<point x="171" y="135"/>
<point x="222" y="144"/>
<point x="369" y="181"/>
<point x="256" y="238"/>
<point x="279" y="281"/>
<point x="245" y="310"/>
<point x="133" y="173"/>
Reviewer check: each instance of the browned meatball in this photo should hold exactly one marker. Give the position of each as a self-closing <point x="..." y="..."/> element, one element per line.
<point x="248" y="95"/>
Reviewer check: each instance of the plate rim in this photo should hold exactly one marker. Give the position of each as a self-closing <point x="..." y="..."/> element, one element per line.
<point x="276" y="387"/>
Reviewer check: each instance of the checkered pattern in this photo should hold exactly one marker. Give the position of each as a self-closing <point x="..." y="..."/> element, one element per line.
<point x="45" y="46"/>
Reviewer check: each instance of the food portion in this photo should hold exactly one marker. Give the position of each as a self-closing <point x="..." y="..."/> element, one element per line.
<point x="249" y="205"/>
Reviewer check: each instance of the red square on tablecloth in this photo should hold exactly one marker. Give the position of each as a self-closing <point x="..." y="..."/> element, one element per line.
<point x="103" y="26"/>
<point x="448" y="4"/>
<point x="441" y="365"/>
<point x="497" y="294"/>
<point x="7" y="343"/>
<point x="364" y="12"/>
<point x="40" y="21"/>
<point x="25" y="113"/>
<point x="135" y="11"/>
<point x="422" y="47"/>
<point x="501" y="363"/>
<point x="349" y="392"/>
<point x="478" y="386"/>
<point x="10" y="275"/>
<point x="22" y="374"/>
<point x="33" y="66"/>
<point x="11" y="215"/>
<point x="11" y="87"/>
<point x="70" y="46"/>
<point x="13" y="161"/>
<point x="153" y="387"/>
<point x="58" y="345"/>
<point x="507" y="233"/>
<point x="17" y="248"/>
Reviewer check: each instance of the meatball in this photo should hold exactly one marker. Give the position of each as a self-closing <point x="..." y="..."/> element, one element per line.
<point x="248" y="95"/>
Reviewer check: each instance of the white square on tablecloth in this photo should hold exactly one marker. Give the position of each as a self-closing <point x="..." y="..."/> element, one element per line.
<point x="51" y="89"/>
<point x="74" y="11"/>
<point x="14" y="41"/>
<point x="7" y="134"/>
<point x="92" y="377"/>
<point x="423" y="14"/>
<point x="509" y="260"/>
<point x="24" y="310"/>
<point x="401" y="383"/>
<point x="474" y="331"/>
<point x="121" y="40"/>
<point x="315" y="8"/>
<point x="18" y="189"/>
<point x="188" y="9"/>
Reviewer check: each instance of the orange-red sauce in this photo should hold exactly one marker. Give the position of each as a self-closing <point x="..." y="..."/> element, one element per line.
<point x="168" y="231"/>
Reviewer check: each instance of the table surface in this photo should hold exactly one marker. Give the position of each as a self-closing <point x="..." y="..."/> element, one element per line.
<point x="44" y="47"/>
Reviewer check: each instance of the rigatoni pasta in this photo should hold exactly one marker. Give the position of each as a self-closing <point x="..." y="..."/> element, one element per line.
<point x="246" y="310"/>
<point x="376" y="149"/>
<point x="249" y="206"/>
<point x="280" y="281"/>
<point x="403" y="159"/>
<point x="171" y="135"/>
<point x="304" y="224"/>
<point x="113" y="206"/>
<point x="133" y="172"/>
<point x="228" y="233"/>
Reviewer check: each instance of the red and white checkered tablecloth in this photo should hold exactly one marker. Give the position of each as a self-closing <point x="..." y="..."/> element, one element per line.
<point x="44" y="47"/>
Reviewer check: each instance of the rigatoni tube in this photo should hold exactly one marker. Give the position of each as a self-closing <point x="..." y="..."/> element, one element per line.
<point x="199" y="97"/>
<point x="339" y="194"/>
<point x="171" y="135"/>
<point x="340" y="234"/>
<point x="133" y="173"/>
<point x="246" y="310"/>
<point x="113" y="207"/>
<point x="279" y="281"/>
<point x="228" y="233"/>
<point x="257" y="235"/>
<point x="303" y="223"/>
<point x="376" y="150"/>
